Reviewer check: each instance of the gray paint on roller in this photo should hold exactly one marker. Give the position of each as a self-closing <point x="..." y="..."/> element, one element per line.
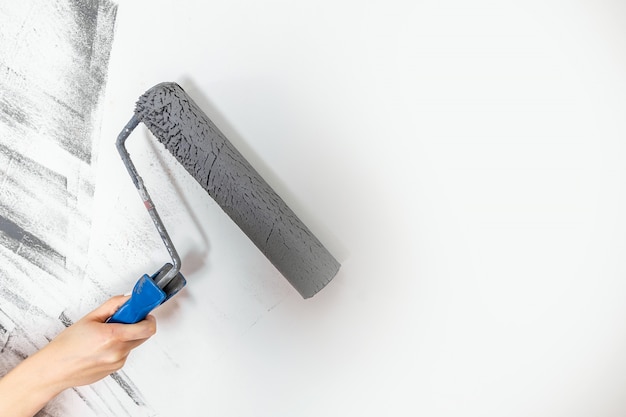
<point x="196" y="142"/>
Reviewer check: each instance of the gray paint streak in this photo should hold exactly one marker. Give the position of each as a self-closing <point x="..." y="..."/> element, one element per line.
<point x="27" y="244"/>
<point x="53" y="64"/>
<point x="195" y="141"/>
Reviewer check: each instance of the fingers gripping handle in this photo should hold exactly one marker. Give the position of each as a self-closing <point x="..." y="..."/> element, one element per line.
<point x="146" y="296"/>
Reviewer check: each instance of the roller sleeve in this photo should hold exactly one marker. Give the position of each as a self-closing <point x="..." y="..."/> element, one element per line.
<point x="196" y="142"/>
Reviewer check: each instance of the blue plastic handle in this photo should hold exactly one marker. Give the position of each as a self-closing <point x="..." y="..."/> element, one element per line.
<point x="146" y="297"/>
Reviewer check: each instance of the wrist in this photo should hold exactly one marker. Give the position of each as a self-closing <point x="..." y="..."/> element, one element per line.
<point x="28" y="387"/>
<point x="47" y="372"/>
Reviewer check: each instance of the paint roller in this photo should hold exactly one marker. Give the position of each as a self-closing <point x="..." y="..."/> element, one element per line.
<point x="200" y="147"/>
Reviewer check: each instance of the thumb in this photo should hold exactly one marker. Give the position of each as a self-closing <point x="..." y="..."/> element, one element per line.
<point x="107" y="309"/>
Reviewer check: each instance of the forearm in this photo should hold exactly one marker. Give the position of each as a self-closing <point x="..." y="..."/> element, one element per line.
<point x="28" y="387"/>
<point x="82" y="354"/>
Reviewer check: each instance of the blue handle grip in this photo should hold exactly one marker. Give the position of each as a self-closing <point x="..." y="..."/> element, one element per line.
<point x="146" y="296"/>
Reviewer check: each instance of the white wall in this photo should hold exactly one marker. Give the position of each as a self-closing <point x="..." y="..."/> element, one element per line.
<point x="464" y="160"/>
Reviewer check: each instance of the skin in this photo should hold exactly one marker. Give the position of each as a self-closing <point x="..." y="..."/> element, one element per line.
<point x="82" y="354"/>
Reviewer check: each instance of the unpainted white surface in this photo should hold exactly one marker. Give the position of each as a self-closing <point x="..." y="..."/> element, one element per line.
<point x="463" y="160"/>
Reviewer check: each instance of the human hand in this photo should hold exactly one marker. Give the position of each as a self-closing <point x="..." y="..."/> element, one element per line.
<point x="82" y="354"/>
<point x="91" y="349"/>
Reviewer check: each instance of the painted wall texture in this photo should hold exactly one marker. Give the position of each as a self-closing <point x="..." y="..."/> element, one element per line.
<point x="67" y="244"/>
<point x="464" y="161"/>
<point x="53" y="64"/>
